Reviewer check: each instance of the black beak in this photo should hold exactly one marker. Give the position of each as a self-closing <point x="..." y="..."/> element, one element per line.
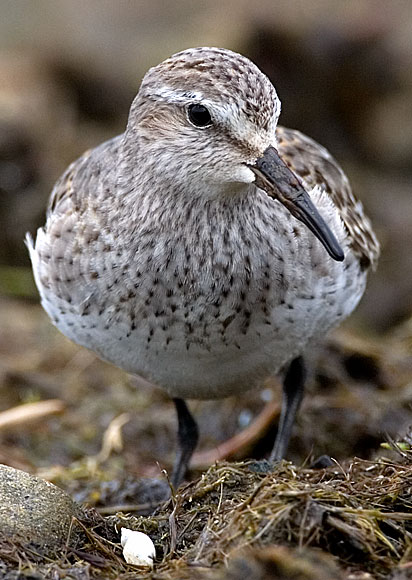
<point x="279" y="182"/>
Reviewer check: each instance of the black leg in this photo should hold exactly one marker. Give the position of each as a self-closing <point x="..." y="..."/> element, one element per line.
<point x="187" y="437"/>
<point x="293" y="387"/>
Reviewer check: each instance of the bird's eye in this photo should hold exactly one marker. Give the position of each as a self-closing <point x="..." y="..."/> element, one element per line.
<point x="199" y="115"/>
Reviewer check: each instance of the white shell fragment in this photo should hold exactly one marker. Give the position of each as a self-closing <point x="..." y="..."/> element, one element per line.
<point x="138" y="548"/>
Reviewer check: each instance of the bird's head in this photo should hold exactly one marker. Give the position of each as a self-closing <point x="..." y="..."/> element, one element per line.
<point x="206" y="119"/>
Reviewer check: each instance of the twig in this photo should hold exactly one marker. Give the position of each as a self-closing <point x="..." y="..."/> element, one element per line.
<point x="30" y="412"/>
<point x="246" y="437"/>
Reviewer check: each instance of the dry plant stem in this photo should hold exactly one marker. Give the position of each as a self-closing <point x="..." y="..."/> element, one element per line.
<point x="126" y="508"/>
<point x="97" y="541"/>
<point x="30" y="413"/>
<point x="173" y="531"/>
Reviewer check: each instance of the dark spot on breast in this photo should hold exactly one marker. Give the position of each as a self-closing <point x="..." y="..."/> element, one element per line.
<point x="217" y="302"/>
<point x="92" y="237"/>
<point x="228" y="320"/>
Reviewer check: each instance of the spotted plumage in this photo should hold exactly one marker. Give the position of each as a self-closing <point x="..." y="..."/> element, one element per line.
<point x="203" y="253"/>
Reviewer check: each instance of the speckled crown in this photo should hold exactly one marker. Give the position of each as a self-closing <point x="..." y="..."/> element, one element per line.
<point x="217" y="74"/>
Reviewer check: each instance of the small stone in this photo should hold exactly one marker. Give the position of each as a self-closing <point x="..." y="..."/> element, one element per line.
<point x="138" y="548"/>
<point x="34" y="511"/>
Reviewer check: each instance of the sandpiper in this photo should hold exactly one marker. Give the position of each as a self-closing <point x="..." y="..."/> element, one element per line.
<point x="206" y="247"/>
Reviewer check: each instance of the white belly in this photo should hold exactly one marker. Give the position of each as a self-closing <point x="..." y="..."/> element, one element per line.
<point x="207" y="357"/>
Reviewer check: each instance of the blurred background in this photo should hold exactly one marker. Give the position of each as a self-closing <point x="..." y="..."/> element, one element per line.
<point x="68" y="72"/>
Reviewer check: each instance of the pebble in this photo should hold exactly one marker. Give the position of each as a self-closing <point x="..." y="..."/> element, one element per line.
<point x="34" y="511"/>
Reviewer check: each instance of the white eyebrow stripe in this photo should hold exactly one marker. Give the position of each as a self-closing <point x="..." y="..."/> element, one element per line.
<point x="177" y="95"/>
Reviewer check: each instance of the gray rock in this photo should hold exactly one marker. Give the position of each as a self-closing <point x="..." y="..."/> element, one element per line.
<point x="34" y="511"/>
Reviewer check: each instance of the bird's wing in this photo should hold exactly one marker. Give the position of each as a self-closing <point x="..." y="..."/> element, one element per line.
<point x="63" y="192"/>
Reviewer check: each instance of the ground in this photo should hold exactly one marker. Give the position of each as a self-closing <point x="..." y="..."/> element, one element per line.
<point x="106" y="438"/>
